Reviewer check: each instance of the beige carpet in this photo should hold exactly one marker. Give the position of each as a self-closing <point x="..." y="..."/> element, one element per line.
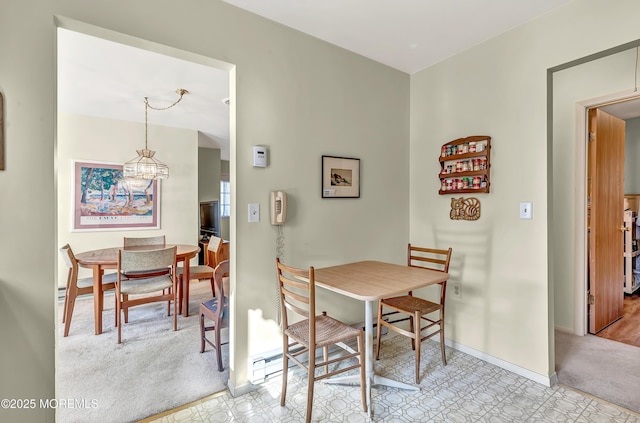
<point x="606" y="369"/>
<point x="153" y="370"/>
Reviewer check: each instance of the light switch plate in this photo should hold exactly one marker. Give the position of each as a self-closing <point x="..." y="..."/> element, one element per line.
<point x="254" y="212"/>
<point x="526" y="210"/>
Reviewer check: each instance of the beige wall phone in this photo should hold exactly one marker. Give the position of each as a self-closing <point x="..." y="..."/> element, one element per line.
<point x="278" y="207"/>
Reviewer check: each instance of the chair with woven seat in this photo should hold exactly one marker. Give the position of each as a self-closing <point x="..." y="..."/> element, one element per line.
<point x="141" y="262"/>
<point x="297" y="297"/>
<point x="78" y="286"/>
<point x="201" y="271"/>
<point x="217" y="311"/>
<point x="416" y="309"/>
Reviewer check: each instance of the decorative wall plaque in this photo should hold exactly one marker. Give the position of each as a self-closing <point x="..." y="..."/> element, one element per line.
<point x="465" y="208"/>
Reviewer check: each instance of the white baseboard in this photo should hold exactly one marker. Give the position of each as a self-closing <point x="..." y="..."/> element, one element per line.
<point x="521" y="371"/>
<point x="236" y="391"/>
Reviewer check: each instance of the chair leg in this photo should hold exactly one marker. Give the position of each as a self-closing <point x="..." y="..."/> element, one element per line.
<point x="70" y="301"/>
<point x="202" y="332"/>
<point x="325" y="356"/>
<point x="180" y="290"/>
<point x="379" y="330"/>
<point x="363" y="382"/>
<point x="125" y="298"/>
<point x="175" y="311"/>
<point x="444" y="356"/>
<point x="412" y="329"/>
<point x="66" y="296"/>
<point x="218" y="345"/>
<point x="417" y="343"/>
<point x="285" y="368"/>
<point x="310" y="383"/>
<point x="119" y="319"/>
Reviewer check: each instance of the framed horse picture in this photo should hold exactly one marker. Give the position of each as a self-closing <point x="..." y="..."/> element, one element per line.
<point x="104" y="200"/>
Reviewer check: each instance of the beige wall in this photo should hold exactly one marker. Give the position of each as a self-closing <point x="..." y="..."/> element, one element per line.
<point x="608" y="74"/>
<point x="632" y="156"/>
<point x="87" y="138"/>
<point x="299" y="96"/>
<point x="208" y="174"/>
<point x="304" y="98"/>
<point x="507" y="267"/>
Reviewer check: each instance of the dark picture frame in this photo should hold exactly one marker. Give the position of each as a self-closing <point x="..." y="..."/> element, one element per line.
<point x="340" y="177"/>
<point x="103" y="200"/>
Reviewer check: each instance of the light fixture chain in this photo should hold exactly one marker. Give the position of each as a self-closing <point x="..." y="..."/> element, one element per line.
<point x="180" y="91"/>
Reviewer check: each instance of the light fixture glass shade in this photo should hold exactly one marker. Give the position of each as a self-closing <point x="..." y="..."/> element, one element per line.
<point x="145" y="167"/>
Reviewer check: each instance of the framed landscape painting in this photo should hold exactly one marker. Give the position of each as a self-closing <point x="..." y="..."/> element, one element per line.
<point x="104" y="200"/>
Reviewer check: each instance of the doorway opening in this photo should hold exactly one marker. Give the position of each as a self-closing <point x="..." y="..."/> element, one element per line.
<point x="613" y="199"/>
<point x="82" y="135"/>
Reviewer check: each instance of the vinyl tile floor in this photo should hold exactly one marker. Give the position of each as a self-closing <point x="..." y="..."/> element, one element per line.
<point x="467" y="389"/>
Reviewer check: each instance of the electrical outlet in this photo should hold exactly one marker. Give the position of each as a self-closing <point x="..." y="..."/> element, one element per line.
<point x="456" y="290"/>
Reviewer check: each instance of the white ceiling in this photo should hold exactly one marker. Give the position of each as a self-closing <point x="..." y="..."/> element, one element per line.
<point x="106" y="79"/>
<point x="408" y="35"/>
<point x="102" y="78"/>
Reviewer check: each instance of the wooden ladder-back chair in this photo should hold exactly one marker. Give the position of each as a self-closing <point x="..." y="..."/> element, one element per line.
<point x="200" y="271"/>
<point x="415" y="308"/>
<point x="216" y="310"/>
<point x="78" y="286"/>
<point x="141" y="262"/>
<point x="297" y="296"/>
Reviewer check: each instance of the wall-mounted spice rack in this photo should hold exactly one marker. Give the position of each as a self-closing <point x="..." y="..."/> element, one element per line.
<point x="465" y="165"/>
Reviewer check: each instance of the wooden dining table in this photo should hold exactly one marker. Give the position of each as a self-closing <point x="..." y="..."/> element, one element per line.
<point x="107" y="258"/>
<point x="370" y="281"/>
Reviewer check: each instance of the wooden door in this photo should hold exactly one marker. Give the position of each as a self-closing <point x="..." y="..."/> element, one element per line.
<point x="606" y="219"/>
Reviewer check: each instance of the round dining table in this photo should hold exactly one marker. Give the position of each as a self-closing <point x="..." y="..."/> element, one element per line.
<point x="107" y="258"/>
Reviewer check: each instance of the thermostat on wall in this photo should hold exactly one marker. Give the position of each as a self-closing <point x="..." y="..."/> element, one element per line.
<point x="259" y="156"/>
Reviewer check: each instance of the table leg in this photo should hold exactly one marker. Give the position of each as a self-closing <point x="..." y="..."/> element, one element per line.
<point x="97" y="298"/>
<point x="371" y="377"/>
<point x="185" y="287"/>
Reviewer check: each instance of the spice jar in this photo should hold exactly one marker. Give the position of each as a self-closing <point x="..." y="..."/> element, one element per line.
<point x="444" y="151"/>
<point x="476" y="182"/>
<point x="472" y="147"/>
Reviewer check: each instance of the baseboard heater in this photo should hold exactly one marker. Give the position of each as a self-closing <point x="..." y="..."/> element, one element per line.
<point x="269" y="364"/>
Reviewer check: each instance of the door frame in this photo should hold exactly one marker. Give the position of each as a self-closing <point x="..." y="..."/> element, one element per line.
<point x="580" y="309"/>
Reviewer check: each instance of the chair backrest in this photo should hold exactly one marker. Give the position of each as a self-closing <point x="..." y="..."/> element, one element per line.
<point x="223" y="252"/>
<point x="297" y="295"/>
<point x="146" y="260"/>
<point x="431" y="258"/>
<point x="68" y="257"/>
<point x="150" y="240"/>
<point x="212" y="250"/>
<point x="221" y="271"/>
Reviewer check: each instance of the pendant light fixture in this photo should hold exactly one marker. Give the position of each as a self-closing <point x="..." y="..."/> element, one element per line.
<point x="145" y="166"/>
